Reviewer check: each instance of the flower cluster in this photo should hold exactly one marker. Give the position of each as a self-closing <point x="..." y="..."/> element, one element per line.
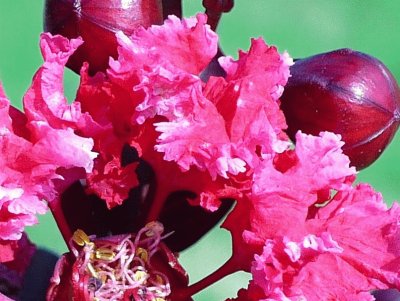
<point x="151" y="133"/>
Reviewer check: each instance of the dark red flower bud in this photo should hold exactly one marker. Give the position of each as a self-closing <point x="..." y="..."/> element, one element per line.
<point x="96" y="22"/>
<point x="348" y="93"/>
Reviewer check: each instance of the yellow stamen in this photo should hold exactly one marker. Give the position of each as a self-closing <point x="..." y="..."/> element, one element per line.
<point x="159" y="280"/>
<point x="103" y="278"/>
<point x="140" y="275"/>
<point x="104" y="254"/>
<point x="80" y="238"/>
<point x="142" y="254"/>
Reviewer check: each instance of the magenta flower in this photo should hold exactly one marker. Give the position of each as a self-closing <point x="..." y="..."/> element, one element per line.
<point x="149" y="157"/>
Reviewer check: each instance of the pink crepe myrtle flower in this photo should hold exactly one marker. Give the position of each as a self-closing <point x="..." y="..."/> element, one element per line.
<point x="224" y="139"/>
<point x="26" y="175"/>
<point x="151" y="89"/>
<point x="301" y="228"/>
<point x="122" y="173"/>
<point x="38" y="148"/>
<point x="149" y="141"/>
<point x="212" y="131"/>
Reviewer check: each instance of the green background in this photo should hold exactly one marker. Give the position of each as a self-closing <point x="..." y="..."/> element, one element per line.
<point x="302" y="28"/>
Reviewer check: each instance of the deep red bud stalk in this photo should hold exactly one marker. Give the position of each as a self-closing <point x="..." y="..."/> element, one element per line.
<point x="346" y="92"/>
<point x="172" y="7"/>
<point x="97" y="22"/>
<point x="214" y="10"/>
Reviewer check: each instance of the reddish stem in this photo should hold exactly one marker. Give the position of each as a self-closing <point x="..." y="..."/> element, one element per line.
<point x="228" y="268"/>
<point x="59" y="217"/>
<point x="172" y="7"/>
<point x="214" y="10"/>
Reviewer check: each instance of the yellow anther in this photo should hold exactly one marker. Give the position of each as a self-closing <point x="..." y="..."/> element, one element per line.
<point x="142" y="254"/>
<point x="159" y="299"/>
<point x="80" y="238"/>
<point x="139" y="275"/>
<point x="92" y="270"/>
<point x="154" y="227"/>
<point x="104" y="254"/>
<point x="159" y="279"/>
<point x="103" y="278"/>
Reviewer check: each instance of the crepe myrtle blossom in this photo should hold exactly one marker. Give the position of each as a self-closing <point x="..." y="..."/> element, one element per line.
<point x="30" y="165"/>
<point x="149" y="157"/>
<point x="337" y="241"/>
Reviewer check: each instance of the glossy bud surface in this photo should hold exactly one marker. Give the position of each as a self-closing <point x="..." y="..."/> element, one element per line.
<point x="97" y="21"/>
<point x="348" y="93"/>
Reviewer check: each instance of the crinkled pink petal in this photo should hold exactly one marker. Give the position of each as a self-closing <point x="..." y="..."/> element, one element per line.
<point x="260" y="60"/>
<point x="373" y="246"/>
<point x="21" y="189"/>
<point x="166" y="60"/>
<point x="199" y="139"/>
<point x="286" y="192"/>
<point x="112" y="182"/>
<point x="247" y="99"/>
<point x="330" y="257"/>
<point x="315" y="277"/>
<point x="319" y="165"/>
<point x="187" y="44"/>
<point x="111" y="108"/>
<point x="51" y="120"/>
<point x="167" y="93"/>
<point x="62" y="147"/>
<point x="45" y="100"/>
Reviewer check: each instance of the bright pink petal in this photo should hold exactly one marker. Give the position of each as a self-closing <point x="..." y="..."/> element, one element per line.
<point x="314" y="277"/>
<point x="45" y="100"/>
<point x="199" y="139"/>
<point x="187" y="44"/>
<point x="329" y="257"/>
<point x="111" y="108"/>
<point x="51" y="119"/>
<point x="317" y="165"/>
<point x="258" y="77"/>
<point x="112" y="182"/>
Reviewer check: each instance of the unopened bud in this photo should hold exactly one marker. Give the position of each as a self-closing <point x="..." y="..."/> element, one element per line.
<point x="348" y="93"/>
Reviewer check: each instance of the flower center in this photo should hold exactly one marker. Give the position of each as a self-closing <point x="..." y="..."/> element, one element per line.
<point x="119" y="267"/>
